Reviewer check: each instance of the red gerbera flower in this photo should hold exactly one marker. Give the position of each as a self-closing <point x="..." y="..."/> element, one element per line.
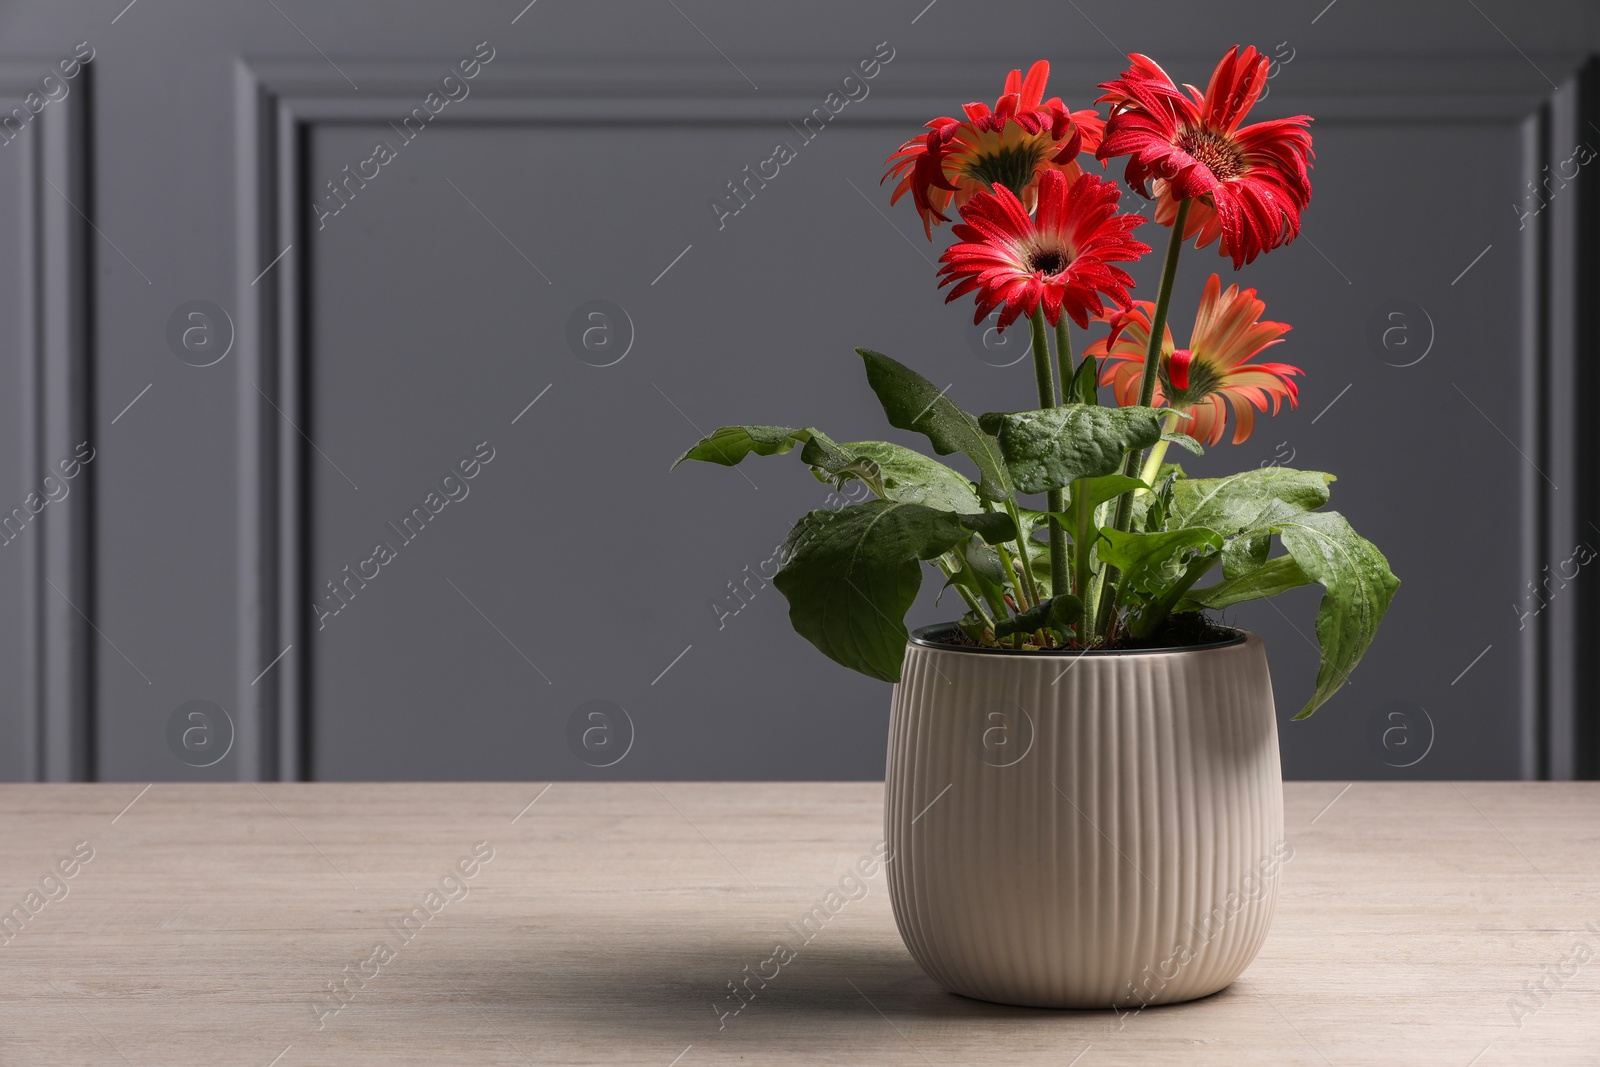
<point x="1012" y="145"/>
<point x="1060" y="260"/>
<point x="1249" y="185"/>
<point x="1214" y="369"/>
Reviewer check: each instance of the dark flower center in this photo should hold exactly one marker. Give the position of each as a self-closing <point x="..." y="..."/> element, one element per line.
<point x="1012" y="166"/>
<point x="1215" y="151"/>
<point x="1048" y="260"/>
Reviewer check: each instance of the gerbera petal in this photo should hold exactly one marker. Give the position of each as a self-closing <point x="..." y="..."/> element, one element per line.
<point x="1033" y="85"/>
<point x="1059" y="259"/>
<point x="1014" y="143"/>
<point x="1247" y="184"/>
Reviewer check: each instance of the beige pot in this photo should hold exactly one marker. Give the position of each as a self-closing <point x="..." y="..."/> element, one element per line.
<point x="1084" y="831"/>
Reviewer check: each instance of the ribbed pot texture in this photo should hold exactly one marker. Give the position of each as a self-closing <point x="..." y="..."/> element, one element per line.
<point x="1084" y="831"/>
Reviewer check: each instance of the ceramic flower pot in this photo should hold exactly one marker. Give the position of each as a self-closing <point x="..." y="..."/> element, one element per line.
<point x="1084" y="830"/>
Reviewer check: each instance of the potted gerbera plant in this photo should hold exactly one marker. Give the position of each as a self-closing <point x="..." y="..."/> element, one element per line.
<point x="1084" y="800"/>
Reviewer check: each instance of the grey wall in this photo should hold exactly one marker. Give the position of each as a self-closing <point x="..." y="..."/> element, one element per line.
<point x="390" y="340"/>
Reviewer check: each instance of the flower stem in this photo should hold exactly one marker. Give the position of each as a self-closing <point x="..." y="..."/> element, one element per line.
<point x="1083" y="545"/>
<point x="1026" y="589"/>
<point x="1147" y="387"/>
<point x="1041" y="360"/>
<point x="1152" y="465"/>
<point x="1050" y="397"/>
<point x="1064" y="358"/>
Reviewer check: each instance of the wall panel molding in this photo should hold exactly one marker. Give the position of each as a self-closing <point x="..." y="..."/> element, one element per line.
<point x="1563" y="269"/>
<point x="57" y="332"/>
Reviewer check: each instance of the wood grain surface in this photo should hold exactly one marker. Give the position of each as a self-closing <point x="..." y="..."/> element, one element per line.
<point x="603" y="923"/>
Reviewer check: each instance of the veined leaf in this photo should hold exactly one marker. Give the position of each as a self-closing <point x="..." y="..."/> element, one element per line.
<point x="1185" y="442"/>
<point x="1245" y="501"/>
<point x="1245" y="553"/>
<point x="993" y="526"/>
<point x="1084" y="388"/>
<point x="1151" y="562"/>
<point x="728" y="445"/>
<point x="1269" y="579"/>
<point x="1102" y="489"/>
<point x="911" y="402"/>
<point x="982" y="563"/>
<point x="1150" y="509"/>
<point x="1359" y="587"/>
<point x="912" y="478"/>
<point x="1051" y="448"/>
<point x="980" y="575"/>
<point x="851" y="574"/>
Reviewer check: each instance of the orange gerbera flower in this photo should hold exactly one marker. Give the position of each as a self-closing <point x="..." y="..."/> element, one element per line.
<point x="1012" y="145"/>
<point x="1212" y="373"/>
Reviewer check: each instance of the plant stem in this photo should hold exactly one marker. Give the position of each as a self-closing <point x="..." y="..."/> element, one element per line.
<point x="1050" y="397"/>
<point x="1042" y="374"/>
<point x="1147" y="385"/>
<point x="1064" y="358"/>
<point x="1026" y="589"/>
<point x="1083" y="546"/>
<point x="1162" y="608"/>
<point x="1152" y="465"/>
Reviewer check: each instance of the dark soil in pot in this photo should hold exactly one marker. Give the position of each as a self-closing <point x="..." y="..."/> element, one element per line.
<point x="1189" y="629"/>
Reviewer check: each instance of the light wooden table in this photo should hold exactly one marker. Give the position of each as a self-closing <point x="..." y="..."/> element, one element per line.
<point x="207" y="926"/>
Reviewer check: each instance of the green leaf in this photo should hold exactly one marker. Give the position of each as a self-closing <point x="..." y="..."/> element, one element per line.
<point x="1051" y="448"/>
<point x="1245" y="553"/>
<point x="1269" y="579"/>
<point x="728" y="445"/>
<point x="911" y="402"/>
<point x="1085" y="382"/>
<point x="912" y="478"/>
<point x="1151" y="562"/>
<point x="1359" y="587"/>
<point x="1150" y="509"/>
<point x="851" y="574"/>
<point x="1059" y="612"/>
<point x="993" y="526"/>
<point x="1184" y="441"/>
<point x="985" y="562"/>
<point x="981" y="572"/>
<point x="1102" y="489"/>
<point x="1246" y="501"/>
